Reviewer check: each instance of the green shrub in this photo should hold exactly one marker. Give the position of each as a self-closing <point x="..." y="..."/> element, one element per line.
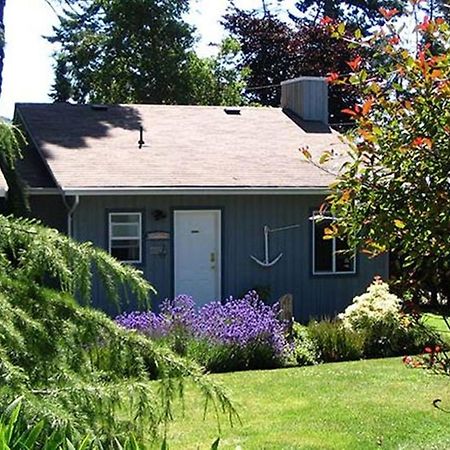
<point x="388" y="331"/>
<point x="219" y="357"/>
<point x="76" y="369"/>
<point x="304" y="348"/>
<point x="336" y="342"/>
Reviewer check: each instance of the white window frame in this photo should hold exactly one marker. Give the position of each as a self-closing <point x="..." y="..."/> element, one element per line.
<point x="111" y="238"/>
<point x="333" y="253"/>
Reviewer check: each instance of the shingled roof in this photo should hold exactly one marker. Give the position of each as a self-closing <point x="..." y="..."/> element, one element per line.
<point x="185" y="146"/>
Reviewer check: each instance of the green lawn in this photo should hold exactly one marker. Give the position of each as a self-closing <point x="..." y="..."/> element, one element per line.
<point x="437" y="322"/>
<point x="353" y="405"/>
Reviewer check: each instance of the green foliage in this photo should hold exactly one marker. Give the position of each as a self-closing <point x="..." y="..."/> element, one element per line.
<point x="335" y="342"/>
<point x="79" y="372"/>
<point x="392" y="194"/>
<point x="218" y="357"/>
<point x="120" y="51"/>
<point x="32" y="252"/>
<point x="140" y="51"/>
<point x="305" y="350"/>
<point x="17" y="434"/>
<point x="11" y="141"/>
<point x="61" y="89"/>
<point x="360" y="13"/>
<point x="216" y="80"/>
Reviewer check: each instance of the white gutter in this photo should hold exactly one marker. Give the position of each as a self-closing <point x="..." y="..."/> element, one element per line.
<point x="194" y="191"/>
<point x="70" y="211"/>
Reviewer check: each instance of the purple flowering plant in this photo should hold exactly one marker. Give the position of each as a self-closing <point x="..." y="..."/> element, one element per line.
<point x="234" y="335"/>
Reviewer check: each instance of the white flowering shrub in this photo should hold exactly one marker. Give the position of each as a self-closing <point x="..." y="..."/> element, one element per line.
<point x="377" y="315"/>
<point x="377" y="305"/>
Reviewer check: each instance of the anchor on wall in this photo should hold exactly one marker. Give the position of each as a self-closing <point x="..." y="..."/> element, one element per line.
<point x="267" y="231"/>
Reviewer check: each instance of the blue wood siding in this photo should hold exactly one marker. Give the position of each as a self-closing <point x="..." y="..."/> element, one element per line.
<point x="243" y="219"/>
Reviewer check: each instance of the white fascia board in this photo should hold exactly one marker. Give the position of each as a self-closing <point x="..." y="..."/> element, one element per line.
<point x="195" y="191"/>
<point x="3" y="192"/>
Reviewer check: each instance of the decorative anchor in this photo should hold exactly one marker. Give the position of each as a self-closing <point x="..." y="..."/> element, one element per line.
<point x="267" y="230"/>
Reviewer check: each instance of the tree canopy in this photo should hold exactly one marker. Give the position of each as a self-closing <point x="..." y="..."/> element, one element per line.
<point x="139" y="51"/>
<point x="274" y="51"/>
<point x="393" y="193"/>
<point x="359" y="13"/>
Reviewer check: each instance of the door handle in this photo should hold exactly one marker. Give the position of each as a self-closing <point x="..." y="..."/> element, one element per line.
<point x="212" y="257"/>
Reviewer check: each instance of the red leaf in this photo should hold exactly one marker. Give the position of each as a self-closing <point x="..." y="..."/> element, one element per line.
<point x="349" y="111"/>
<point x="367" y="106"/>
<point x="424" y="26"/>
<point x="332" y="77"/>
<point x="388" y="14"/>
<point x="355" y="63"/>
<point x="326" y="20"/>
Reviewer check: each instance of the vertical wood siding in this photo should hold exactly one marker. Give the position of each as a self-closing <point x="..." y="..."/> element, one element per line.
<point x="243" y="220"/>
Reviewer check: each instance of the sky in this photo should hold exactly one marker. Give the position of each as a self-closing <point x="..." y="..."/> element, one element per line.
<point x="28" y="73"/>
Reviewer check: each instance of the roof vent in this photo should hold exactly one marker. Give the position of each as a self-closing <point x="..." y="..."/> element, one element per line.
<point x="99" y="107"/>
<point x="232" y="111"/>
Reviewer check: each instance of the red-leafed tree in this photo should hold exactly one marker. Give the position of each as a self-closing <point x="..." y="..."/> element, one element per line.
<point x="275" y="51"/>
<point x="393" y="193"/>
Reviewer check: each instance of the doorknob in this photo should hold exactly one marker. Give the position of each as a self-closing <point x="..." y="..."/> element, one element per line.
<point x="212" y="257"/>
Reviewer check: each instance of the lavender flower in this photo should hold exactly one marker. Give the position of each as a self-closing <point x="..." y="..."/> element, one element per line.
<point x="247" y="325"/>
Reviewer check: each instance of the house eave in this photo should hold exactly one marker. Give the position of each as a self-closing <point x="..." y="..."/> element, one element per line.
<point x="96" y="191"/>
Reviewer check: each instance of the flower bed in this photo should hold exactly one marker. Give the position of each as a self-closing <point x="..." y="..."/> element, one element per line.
<point x="238" y="334"/>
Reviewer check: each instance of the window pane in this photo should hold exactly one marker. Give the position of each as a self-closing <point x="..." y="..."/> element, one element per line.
<point x="125" y="218"/>
<point x="125" y="249"/>
<point x="131" y="230"/>
<point x="323" y="249"/>
<point x="344" y="261"/>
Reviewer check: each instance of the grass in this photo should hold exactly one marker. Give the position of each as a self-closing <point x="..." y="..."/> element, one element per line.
<point x="353" y="405"/>
<point x="437" y="322"/>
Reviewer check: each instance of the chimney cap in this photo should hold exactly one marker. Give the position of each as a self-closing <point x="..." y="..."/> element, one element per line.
<point x="296" y="80"/>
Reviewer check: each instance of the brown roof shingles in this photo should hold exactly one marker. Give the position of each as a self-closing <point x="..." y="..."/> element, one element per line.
<point x="185" y="146"/>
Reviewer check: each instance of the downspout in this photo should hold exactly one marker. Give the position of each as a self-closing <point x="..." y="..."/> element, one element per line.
<point x="70" y="212"/>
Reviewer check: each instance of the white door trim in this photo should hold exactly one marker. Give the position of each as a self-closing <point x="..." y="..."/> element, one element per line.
<point x="218" y="213"/>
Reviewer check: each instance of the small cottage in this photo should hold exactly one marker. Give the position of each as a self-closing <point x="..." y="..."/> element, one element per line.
<point x="205" y="200"/>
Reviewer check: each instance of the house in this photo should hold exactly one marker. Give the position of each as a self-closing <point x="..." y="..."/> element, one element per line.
<point x="207" y="201"/>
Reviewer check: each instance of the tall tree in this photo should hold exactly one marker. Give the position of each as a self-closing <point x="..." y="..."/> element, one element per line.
<point x="140" y="51"/>
<point x="125" y="51"/>
<point x="360" y="13"/>
<point x="216" y="80"/>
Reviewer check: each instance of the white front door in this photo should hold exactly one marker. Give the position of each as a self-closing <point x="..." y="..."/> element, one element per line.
<point x="197" y="254"/>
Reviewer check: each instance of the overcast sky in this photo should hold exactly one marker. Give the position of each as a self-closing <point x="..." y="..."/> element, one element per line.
<point x="28" y="71"/>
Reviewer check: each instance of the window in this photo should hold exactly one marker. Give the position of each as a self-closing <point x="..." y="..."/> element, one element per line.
<point x="125" y="231"/>
<point x="330" y="256"/>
